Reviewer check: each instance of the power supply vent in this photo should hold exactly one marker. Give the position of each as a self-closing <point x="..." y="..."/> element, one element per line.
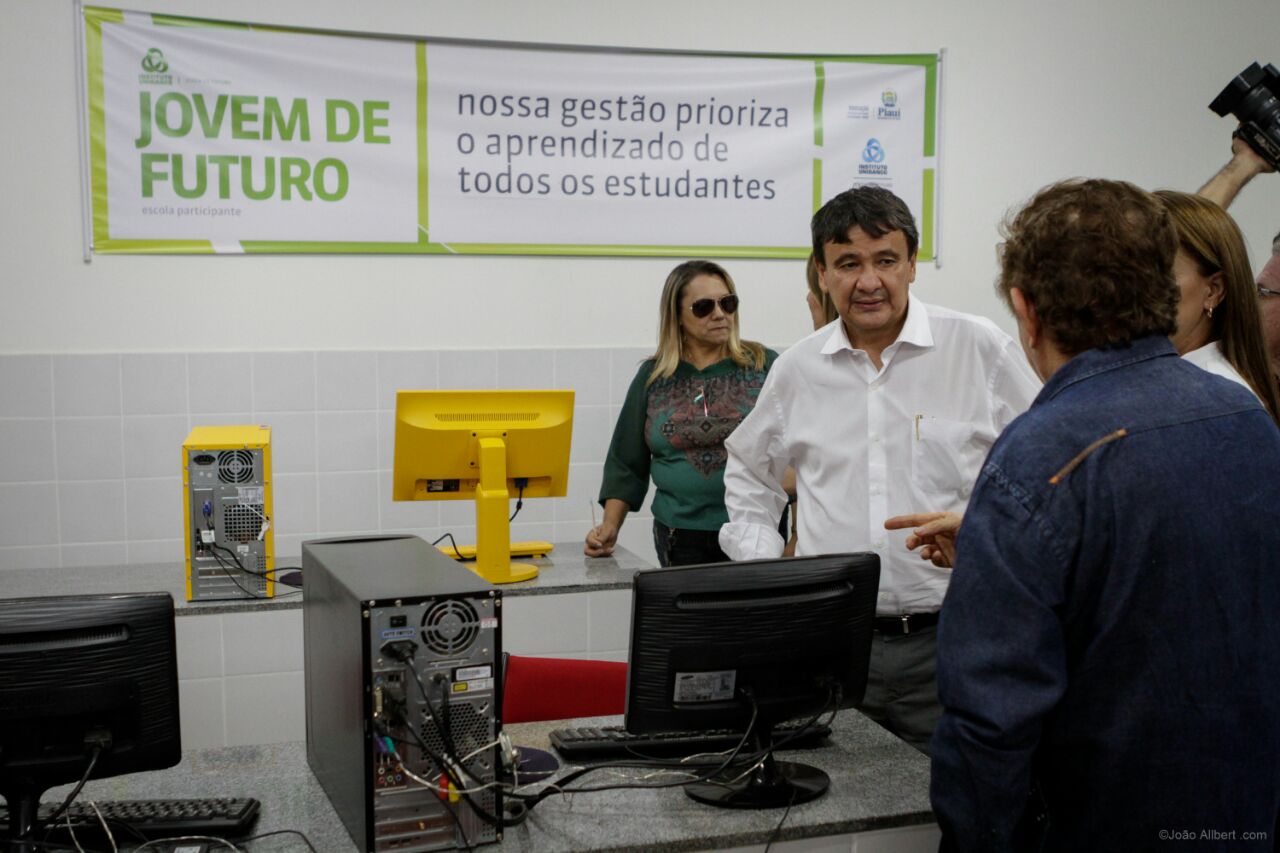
<point x="235" y="466"/>
<point x="450" y="627"/>
<point x="242" y="522"/>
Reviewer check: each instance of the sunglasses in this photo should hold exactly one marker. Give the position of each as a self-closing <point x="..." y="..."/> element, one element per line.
<point x="703" y="307"/>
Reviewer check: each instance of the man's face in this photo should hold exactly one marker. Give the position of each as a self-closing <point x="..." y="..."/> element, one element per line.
<point x="1270" y="307"/>
<point x="868" y="279"/>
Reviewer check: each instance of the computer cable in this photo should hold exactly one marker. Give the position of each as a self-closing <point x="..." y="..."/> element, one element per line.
<point x="111" y="839"/>
<point x="453" y="769"/>
<point x="97" y="740"/>
<point x="452" y="543"/>
<point x="214" y="548"/>
<point x="442" y="794"/>
<point x="301" y="835"/>
<point x="226" y="570"/>
<point x="777" y="830"/>
<point x="151" y="845"/>
<point x="521" y="482"/>
<point x="557" y="786"/>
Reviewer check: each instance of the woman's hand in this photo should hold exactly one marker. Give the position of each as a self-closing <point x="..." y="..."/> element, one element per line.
<point x="934" y="534"/>
<point x="601" y="539"/>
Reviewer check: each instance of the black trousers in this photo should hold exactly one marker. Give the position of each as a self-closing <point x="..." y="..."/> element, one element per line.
<point x="683" y="547"/>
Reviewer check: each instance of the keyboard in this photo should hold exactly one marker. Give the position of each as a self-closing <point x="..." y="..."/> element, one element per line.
<point x="222" y="817"/>
<point x="605" y="742"/>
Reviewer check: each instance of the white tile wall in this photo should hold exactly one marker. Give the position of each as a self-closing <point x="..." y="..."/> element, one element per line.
<point x="90" y="444"/>
<point x="91" y="511"/>
<point x="26" y="450"/>
<point x="219" y="382"/>
<point x="154" y="384"/>
<point x="89" y="448"/>
<point x="346" y="380"/>
<point x="27" y="381"/>
<point x="86" y="385"/>
<point x="267" y="708"/>
<point x="284" y="381"/>
<point x="201" y="704"/>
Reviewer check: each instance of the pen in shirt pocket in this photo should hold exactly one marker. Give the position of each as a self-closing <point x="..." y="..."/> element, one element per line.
<point x="918" y="419"/>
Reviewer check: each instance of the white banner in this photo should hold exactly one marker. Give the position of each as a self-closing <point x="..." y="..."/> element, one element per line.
<point x="233" y="138"/>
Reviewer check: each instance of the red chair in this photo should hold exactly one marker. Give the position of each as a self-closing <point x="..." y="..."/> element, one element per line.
<point x="561" y="689"/>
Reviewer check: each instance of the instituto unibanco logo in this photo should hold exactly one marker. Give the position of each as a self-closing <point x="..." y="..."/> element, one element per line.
<point x="153" y="62"/>
<point x="873" y="159"/>
<point x="889" y="106"/>
<point x="155" y="66"/>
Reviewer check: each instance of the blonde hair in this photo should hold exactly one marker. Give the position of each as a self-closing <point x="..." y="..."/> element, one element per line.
<point x="823" y="298"/>
<point x="667" y="357"/>
<point x="1209" y="235"/>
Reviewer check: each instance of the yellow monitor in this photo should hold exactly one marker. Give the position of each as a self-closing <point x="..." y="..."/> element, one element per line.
<point x="488" y="445"/>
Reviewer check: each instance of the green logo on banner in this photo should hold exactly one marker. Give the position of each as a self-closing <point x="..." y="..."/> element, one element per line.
<point x="153" y="62"/>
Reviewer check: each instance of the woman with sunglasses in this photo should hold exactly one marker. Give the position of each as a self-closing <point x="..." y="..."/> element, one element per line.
<point x="1219" y="325"/>
<point x="684" y="401"/>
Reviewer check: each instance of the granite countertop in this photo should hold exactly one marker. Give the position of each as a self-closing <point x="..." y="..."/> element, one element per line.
<point x="566" y="570"/>
<point x="877" y="782"/>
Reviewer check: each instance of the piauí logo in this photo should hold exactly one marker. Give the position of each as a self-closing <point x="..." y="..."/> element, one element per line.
<point x="889" y="98"/>
<point x="154" y="63"/>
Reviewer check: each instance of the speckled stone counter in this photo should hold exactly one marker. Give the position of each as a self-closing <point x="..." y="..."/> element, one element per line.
<point x="566" y="570"/>
<point x="877" y="782"/>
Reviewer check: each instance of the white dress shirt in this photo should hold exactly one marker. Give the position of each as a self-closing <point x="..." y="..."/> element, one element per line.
<point x="1209" y="357"/>
<point x="868" y="444"/>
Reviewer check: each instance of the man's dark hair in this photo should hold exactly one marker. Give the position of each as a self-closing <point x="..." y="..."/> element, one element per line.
<point x="1095" y="260"/>
<point x="874" y="209"/>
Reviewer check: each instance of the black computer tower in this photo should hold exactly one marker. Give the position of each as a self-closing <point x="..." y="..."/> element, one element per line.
<point x="402" y="648"/>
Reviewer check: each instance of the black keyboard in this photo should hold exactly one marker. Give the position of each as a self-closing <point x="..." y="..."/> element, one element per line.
<point x="222" y="817"/>
<point x="604" y="742"/>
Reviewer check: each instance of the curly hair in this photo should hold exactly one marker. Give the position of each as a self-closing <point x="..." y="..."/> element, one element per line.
<point x="1095" y="260"/>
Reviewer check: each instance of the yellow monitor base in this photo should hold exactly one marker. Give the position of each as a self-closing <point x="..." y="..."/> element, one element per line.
<point x="510" y="573"/>
<point x="518" y="549"/>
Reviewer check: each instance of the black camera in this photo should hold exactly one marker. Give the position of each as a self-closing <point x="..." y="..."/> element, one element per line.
<point x="1253" y="97"/>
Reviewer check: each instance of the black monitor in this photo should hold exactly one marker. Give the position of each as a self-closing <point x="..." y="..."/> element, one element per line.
<point x="83" y="679"/>
<point x="714" y="646"/>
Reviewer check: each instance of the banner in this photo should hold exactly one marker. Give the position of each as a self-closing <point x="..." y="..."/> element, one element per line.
<point x="210" y="136"/>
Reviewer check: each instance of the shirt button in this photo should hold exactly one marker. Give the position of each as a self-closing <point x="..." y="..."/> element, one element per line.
<point x="879" y="543"/>
<point x="875" y="437"/>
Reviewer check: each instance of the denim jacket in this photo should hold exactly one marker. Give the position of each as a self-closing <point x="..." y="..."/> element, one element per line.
<point x="1109" y="649"/>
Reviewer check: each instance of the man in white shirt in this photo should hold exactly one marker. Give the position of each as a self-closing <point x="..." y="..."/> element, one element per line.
<point x="890" y="409"/>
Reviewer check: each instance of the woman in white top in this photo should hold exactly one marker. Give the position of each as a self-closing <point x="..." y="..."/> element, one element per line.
<point x="1219" y="327"/>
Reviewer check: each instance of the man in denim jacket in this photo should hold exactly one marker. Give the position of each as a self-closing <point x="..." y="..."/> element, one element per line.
<point x="1109" y="649"/>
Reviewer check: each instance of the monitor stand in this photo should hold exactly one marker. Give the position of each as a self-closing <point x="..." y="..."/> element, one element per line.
<point x="23" y="802"/>
<point x="493" y="525"/>
<point x="770" y="785"/>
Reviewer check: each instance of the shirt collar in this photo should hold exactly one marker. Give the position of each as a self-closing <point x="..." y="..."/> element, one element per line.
<point x="1094" y="361"/>
<point x="915" y="330"/>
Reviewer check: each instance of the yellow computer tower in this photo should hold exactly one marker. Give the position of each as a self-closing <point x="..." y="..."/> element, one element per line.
<point x="226" y="489"/>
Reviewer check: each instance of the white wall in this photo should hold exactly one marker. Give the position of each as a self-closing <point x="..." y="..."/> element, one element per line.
<point x="1032" y="92"/>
